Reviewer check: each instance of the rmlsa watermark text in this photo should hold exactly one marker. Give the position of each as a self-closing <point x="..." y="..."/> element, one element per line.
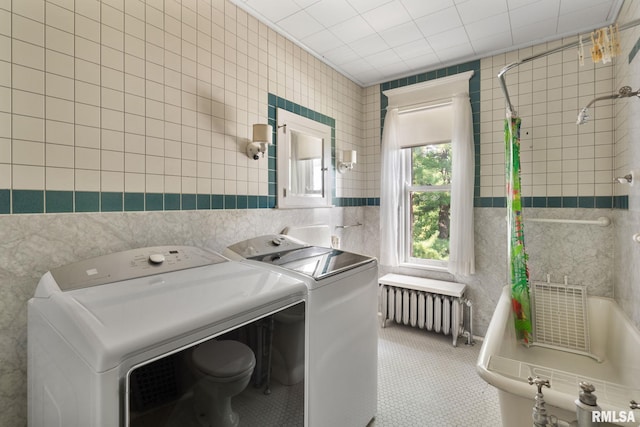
<point x="613" y="416"/>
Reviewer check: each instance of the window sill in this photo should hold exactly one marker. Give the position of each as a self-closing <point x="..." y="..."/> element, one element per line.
<point x="427" y="267"/>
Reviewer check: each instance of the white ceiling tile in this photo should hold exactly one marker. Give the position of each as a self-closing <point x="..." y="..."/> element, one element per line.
<point x="352" y="29"/>
<point x="274" y="11"/>
<point x="534" y="12"/>
<point x="488" y="26"/>
<point x="322" y="41"/>
<point x="532" y="33"/>
<point x="364" y="5"/>
<point x="585" y="19"/>
<point x="472" y="11"/>
<point x="305" y="3"/>
<point x="331" y="12"/>
<point x="568" y="6"/>
<point x="456" y="53"/>
<point x="341" y="55"/>
<point x="417" y="48"/>
<point x="381" y="59"/>
<point x="356" y="67"/>
<point x="492" y="43"/>
<point x="514" y="4"/>
<point x="420" y="8"/>
<point x="386" y="16"/>
<point x="401" y="34"/>
<point x="438" y="22"/>
<point x="300" y="25"/>
<point x="396" y="69"/>
<point x="369" y="45"/>
<point x="371" y="41"/>
<point x="447" y="39"/>
<point x="418" y="62"/>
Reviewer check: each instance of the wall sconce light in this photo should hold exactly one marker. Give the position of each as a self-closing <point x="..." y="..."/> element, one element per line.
<point x="627" y="179"/>
<point x="349" y="158"/>
<point x="262" y="138"/>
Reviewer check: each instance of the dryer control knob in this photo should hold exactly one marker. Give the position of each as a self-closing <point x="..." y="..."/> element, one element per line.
<point x="156" y="258"/>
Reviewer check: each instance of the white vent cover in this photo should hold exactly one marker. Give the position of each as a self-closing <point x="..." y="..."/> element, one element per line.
<point x="560" y="317"/>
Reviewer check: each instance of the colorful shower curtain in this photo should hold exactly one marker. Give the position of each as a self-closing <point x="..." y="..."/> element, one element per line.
<point x="518" y="271"/>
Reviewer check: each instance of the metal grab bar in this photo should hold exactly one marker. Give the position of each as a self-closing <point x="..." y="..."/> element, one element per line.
<point x="603" y="221"/>
<point x="349" y="226"/>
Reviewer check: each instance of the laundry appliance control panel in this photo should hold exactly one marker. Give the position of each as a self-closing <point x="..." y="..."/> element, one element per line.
<point x="132" y="264"/>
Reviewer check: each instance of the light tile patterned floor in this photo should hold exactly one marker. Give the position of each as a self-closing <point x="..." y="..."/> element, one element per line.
<point x="424" y="381"/>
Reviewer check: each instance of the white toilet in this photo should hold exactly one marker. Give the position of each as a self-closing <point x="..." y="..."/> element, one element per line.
<point x="226" y="367"/>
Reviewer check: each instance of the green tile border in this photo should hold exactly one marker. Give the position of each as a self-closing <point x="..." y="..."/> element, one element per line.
<point x="27" y="201"/>
<point x="5" y="202"/>
<point x="111" y="202"/>
<point x="87" y="201"/>
<point x="597" y="202"/>
<point x="134" y="202"/>
<point x="59" y="201"/>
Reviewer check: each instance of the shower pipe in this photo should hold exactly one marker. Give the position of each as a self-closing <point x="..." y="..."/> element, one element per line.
<point x="502" y="74"/>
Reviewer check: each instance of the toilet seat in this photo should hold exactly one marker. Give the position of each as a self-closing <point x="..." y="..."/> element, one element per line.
<point x="224" y="361"/>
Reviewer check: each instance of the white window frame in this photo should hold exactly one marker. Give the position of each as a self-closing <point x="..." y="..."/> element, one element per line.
<point x="427" y="94"/>
<point x="405" y="213"/>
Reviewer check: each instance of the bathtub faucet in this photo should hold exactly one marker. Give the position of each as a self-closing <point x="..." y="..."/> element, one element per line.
<point x="586" y="404"/>
<point x="540" y="417"/>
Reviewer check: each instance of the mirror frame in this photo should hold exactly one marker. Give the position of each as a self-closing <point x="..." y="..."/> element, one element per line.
<point x="288" y="122"/>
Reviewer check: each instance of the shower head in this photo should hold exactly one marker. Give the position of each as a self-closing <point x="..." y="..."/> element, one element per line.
<point x="583" y="116"/>
<point x="623" y="92"/>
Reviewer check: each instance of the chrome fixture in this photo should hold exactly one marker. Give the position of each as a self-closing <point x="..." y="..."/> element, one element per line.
<point x="624" y="92"/>
<point x="586" y="404"/>
<point x="261" y="139"/>
<point x="349" y="158"/>
<point x="540" y="417"/>
<point x="627" y="179"/>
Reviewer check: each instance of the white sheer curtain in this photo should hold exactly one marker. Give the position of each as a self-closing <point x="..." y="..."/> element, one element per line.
<point x="461" y="241"/>
<point x="390" y="190"/>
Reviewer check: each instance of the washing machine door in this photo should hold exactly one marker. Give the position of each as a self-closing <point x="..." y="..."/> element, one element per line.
<point x="315" y="261"/>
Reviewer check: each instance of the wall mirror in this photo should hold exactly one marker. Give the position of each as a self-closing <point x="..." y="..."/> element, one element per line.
<point x="304" y="161"/>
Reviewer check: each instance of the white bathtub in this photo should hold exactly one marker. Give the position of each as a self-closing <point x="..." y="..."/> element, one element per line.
<point x="506" y="365"/>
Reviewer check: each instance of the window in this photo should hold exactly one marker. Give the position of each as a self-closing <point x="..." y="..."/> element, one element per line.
<point x="426" y="204"/>
<point x="426" y="190"/>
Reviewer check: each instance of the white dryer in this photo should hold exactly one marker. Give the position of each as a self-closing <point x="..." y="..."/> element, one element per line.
<point x="90" y="324"/>
<point x="342" y="335"/>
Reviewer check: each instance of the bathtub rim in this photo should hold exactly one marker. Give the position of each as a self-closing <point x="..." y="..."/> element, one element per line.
<point x="521" y="388"/>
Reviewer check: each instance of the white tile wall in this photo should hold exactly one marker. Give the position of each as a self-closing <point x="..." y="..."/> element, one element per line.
<point x="155" y="96"/>
<point x="559" y="158"/>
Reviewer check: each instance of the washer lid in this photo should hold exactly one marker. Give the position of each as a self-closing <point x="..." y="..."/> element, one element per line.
<point x="111" y="323"/>
<point x="315" y="261"/>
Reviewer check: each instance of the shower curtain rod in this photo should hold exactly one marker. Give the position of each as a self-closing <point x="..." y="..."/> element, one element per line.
<point x="503" y="72"/>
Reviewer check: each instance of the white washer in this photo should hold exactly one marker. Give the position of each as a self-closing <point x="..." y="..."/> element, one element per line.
<point x="91" y="323"/>
<point x="342" y="335"/>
